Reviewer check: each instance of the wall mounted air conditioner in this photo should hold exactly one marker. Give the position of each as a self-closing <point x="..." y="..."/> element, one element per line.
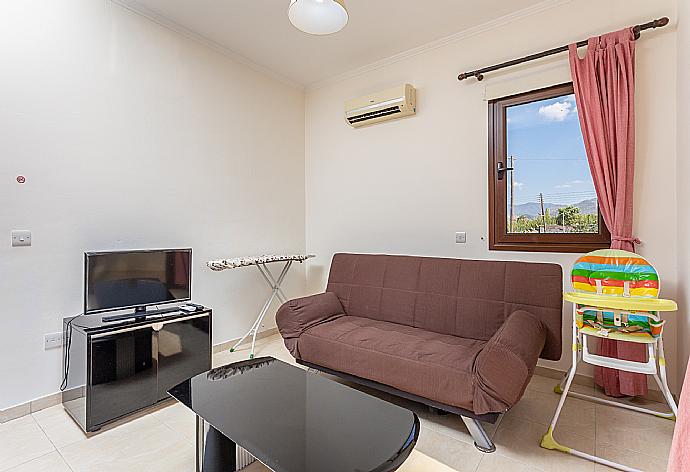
<point x="389" y="104"/>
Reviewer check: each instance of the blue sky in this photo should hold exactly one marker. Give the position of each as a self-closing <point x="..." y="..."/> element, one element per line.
<point x="545" y="139"/>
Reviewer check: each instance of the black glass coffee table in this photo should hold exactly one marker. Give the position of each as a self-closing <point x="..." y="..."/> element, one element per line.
<point x="293" y="421"/>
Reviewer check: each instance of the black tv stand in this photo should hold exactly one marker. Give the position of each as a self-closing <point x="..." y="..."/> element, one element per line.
<point x="114" y="369"/>
<point x="139" y="314"/>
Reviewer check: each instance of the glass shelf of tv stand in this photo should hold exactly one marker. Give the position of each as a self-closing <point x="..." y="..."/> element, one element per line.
<point x="98" y="321"/>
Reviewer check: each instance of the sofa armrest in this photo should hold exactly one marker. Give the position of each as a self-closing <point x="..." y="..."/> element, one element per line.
<point x="505" y="365"/>
<point x="296" y="316"/>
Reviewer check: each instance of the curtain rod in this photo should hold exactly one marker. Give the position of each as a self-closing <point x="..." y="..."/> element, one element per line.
<point x="479" y="73"/>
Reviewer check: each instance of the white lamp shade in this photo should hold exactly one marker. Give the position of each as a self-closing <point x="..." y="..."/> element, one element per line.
<point x="318" y="16"/>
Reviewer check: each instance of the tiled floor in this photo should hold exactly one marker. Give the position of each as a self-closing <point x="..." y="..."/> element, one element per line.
<point x="163" y="440"/>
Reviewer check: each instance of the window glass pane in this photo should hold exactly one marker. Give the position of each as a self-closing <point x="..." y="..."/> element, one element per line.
<point x="550" y="189"/>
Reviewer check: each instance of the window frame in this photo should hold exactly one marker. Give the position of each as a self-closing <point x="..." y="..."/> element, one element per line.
<point x="499" y="238"/>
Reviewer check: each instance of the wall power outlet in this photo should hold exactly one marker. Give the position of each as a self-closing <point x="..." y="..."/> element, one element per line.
<point x="53" y="340"/>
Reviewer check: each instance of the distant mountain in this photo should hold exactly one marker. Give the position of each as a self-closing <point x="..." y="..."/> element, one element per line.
<point x="588" y="207"/>
<point x="532" y="209"/>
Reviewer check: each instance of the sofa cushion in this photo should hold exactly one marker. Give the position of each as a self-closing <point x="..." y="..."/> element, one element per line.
<point x="421" y="362"/>
<point x="459" y="297"/>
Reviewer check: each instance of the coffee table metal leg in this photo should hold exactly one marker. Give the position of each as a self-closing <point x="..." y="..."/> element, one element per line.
<point x="215" y="452"/>
<point x="199" y="444"/>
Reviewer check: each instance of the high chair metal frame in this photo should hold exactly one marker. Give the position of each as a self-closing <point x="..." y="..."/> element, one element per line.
<point x="655" y="366"/>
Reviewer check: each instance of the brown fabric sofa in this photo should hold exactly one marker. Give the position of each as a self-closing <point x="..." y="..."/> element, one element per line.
<point x="460" y="335"/>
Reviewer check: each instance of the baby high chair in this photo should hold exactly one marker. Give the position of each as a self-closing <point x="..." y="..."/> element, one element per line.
<point x="615" y="297"/>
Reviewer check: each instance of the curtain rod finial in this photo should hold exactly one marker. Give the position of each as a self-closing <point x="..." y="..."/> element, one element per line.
<point x="467" y="75"/>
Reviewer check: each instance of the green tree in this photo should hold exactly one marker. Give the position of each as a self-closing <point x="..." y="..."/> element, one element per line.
<point x="569" y="216"/>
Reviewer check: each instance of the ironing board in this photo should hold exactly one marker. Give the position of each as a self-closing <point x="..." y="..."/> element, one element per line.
<point x="260" y="262"/>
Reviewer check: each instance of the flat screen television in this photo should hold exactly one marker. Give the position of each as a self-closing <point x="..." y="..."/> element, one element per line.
<point x="117" y="280"/>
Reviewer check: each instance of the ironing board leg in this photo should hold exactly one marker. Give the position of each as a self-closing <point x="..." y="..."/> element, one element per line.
<point x="276" y="291"/>
<point x="271" y="281"/>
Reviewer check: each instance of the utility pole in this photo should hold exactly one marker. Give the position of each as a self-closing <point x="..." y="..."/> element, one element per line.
<point x="543" y="215"/>
<point x="512" y="194"/>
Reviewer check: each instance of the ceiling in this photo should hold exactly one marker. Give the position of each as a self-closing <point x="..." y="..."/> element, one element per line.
<point x="260" y="31"/>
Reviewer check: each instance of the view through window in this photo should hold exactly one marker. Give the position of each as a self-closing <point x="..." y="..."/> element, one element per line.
<point x="550" y="188"/>
<point x="541" y="193"/>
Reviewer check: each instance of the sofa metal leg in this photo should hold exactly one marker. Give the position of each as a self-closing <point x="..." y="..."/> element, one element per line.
<point x="437" y="411"/>
<point x="482" y="441"/>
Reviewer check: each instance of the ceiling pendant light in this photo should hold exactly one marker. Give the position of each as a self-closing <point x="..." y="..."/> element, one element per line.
<point x="318" y="16"/>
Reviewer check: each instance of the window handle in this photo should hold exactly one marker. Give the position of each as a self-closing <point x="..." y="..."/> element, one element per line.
<point x="500" y="170"/>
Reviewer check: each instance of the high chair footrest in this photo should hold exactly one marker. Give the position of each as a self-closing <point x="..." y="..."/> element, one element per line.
<point x="621" y="364"/>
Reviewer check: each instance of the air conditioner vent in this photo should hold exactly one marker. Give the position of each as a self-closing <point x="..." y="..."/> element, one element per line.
<point x="393" y="103"/>
<point x="375" y="114"/>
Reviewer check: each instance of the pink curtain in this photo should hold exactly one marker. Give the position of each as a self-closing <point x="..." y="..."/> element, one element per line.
<point x="679" y="458"/>
<point x="604" y="82"/>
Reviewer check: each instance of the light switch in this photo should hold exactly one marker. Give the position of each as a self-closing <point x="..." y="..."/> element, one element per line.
<point x="461" y="237"/>
<point x="21" y="238"/>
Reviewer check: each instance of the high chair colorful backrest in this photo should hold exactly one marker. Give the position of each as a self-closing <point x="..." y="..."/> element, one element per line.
<point x="612" y="273"/>
<point x="615" y="272"/>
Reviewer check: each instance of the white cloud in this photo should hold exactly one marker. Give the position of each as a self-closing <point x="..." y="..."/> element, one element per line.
<point x="558" y="111"/>
<point x="518" y="185"/>
<point x="571" y="184"/>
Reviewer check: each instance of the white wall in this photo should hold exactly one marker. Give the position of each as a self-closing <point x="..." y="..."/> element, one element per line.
<point x="682" y="174"/>
<point x="132" y="136"/>
<point x="407" y="186"/>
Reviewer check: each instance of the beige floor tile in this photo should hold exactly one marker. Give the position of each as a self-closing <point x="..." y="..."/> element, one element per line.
<point x="51" y="462"/>
<point x="547" y="384"/>
<point x="242" y="352"/>
<point x="180" y="419"/>
<point x="59" y="426"/>
<point x="577" y="415"/>
<point x="518" y="439"/>
<point x="256" y="467"/>
<point x="630" y="458"/>
<point x="452" y="425"/>
<point x="418" y="462"/>
<point x="640" y="432"/>
<point x="271" y="346"/>
<point x="495" y="462"/>
<point x="144" y="445"/>
<point x="22" y="440"/>
<point x="451" y="452"/>
<point x="636" y="401"/>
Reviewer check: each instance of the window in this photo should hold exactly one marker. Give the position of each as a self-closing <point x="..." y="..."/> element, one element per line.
<point x="541" y="194"/>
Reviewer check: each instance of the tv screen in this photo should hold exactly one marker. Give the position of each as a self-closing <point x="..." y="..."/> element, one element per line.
<point x="134" y="279"/>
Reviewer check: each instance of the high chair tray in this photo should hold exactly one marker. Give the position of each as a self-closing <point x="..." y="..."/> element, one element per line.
<point x="621" y="303"/>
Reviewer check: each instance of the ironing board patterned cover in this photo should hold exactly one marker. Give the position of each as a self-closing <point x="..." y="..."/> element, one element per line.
<point x="224" y="264"/>
<point x="616" y="296"/>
